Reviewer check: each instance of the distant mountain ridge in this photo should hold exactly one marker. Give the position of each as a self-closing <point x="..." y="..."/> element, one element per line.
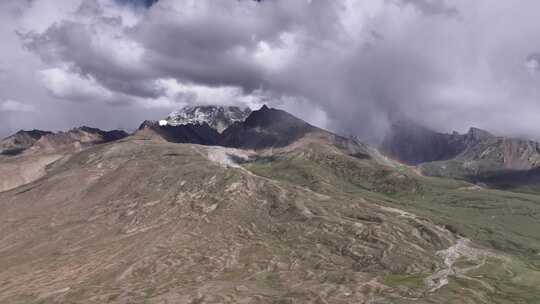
<point x="414" y="144"/>
<point x="38" y="139"/>
<point x="473" y="155"/>
<point x="26" y="155"/>
<point x="20" y="141"/>
<point x="262" y="129"/>
<point x="476" y="156"/>
<point x="83" y="136"/>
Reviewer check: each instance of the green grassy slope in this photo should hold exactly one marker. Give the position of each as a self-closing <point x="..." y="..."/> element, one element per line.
<point x="506" y="223"/>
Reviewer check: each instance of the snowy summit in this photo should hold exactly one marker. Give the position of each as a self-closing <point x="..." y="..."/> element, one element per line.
<point x="217" y="117"/>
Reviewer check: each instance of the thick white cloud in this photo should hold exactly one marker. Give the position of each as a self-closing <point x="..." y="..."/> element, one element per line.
<point x="72" y="86"/>
<point x="353" y="63"/>
<point x="15" y="106"/>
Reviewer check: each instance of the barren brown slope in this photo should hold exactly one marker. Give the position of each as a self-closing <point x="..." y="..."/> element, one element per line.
<point x="33" y="151"/>
<point x="152" y="222"/>
<point x="146" y="221"/>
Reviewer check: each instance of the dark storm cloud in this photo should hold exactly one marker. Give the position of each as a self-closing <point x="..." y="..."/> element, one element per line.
<point x="74" y="43"/>
<point x="442" y="63"/>
<point x="144" y="3"/>
<point x="216" y="46"/>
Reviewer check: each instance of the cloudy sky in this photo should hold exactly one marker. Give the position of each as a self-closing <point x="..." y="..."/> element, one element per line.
<point x="346" y="65"/>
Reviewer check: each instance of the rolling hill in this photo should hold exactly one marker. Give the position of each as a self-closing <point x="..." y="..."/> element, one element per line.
<point x="279" y="212"/>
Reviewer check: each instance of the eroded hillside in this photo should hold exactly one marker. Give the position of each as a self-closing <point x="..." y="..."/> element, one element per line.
<point x="146" y="221"/>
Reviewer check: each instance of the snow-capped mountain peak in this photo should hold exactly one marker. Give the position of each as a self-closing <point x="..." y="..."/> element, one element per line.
<point x="217" y="117"/>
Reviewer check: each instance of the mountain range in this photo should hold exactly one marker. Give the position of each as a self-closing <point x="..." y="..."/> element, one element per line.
<point x="477" y="156"/>
<point x="264" y="208"/>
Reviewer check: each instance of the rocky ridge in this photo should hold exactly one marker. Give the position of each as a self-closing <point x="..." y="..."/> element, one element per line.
<point x="262" y="129"/>
<point x="474" y="155"/>
<point x="25" y="155"/>
<point x="20" y="141"/>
